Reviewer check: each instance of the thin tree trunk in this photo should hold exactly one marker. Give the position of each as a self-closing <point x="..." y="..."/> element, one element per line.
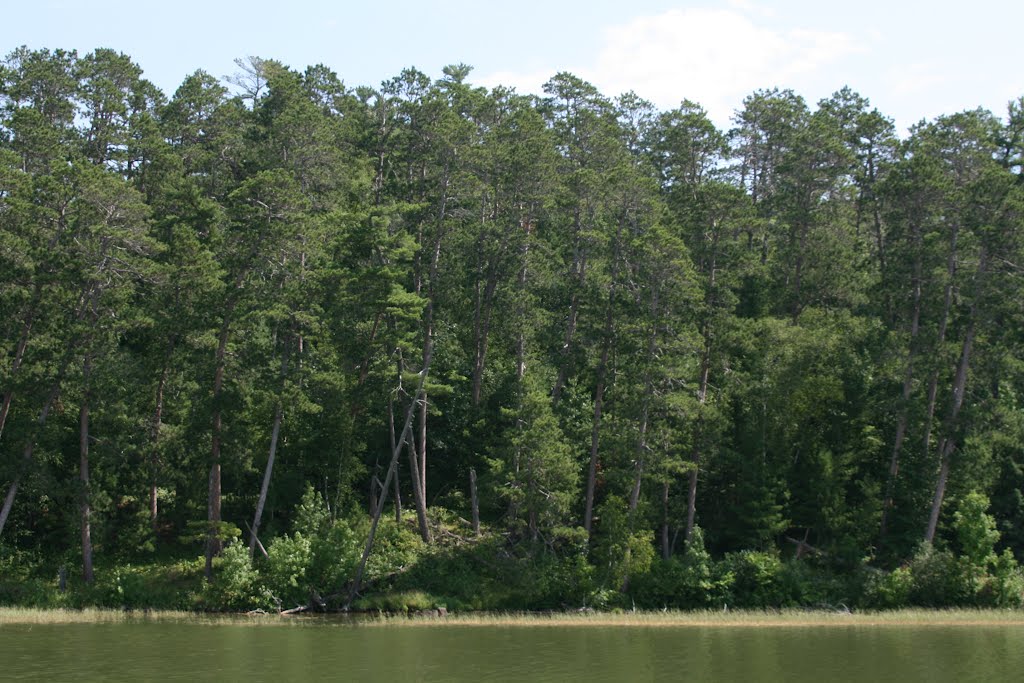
<point x="154" y="436"/>
<point x="421" y="442"/>
<point x="474" y="502"/>
<point x="588" y="510"/>
<point x="702" y="389"/>
<point x="26" y="329"/>
<point x="948" y="442"/>
<point x="392" y="468"/>
<point x="391" y="436"/>
<point x="908" y="379"/>
<point x="482" y="331"/>
<point x="578" y="272"/>
<point x="83" y="473"/>
<point x="19" y="354"/>
<point x="417" y="491"/>
<point x="265" y="487"/>
<point x="602" y="368"/>
<point x="666" y="548"/>
<point x="30" y="444"/>
<point x="947" y="306"/>
<point x="274" y="434"/>
<point x="214" y="542"/>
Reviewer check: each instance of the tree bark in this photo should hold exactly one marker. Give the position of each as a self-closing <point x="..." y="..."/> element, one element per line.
<point x="275" y="432"/>
<point x="265" y="487"/>
<point x="397" y="491"/>
<point x="417" y="491"/>
<point x="474" y="502"/>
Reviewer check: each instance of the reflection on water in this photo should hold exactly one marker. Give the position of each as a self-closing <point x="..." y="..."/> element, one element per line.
<point x="164" y="651"/>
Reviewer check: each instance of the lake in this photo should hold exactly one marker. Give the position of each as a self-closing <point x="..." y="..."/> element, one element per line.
<point x="331" y="651"/>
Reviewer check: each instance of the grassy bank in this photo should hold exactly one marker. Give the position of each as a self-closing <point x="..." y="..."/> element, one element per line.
<point x="671" y="619"/>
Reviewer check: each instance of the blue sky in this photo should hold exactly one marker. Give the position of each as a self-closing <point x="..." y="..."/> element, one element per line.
<point x="913" y="59"/>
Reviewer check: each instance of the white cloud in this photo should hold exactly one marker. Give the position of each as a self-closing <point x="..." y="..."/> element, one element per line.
<point x="712" y="56"/>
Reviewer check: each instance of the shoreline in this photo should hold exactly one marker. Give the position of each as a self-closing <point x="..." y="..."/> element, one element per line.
<point x="795" y="618"/>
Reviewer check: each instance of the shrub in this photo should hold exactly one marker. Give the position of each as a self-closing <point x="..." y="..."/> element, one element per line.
<point x="236" y="584"/>
<point x="285" y="581"/>
<point x="938" y="579"/>
<point x="691" y="582"/>
<point x="756" y="579"/>
<point x="887" y="590"/>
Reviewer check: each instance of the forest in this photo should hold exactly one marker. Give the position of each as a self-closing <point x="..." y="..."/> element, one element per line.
<point x="275" y="341"/>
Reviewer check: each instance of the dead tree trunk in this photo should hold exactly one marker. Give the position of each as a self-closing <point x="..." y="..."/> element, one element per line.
<point x="417" y="491"/>
<point x="275" y="432"/>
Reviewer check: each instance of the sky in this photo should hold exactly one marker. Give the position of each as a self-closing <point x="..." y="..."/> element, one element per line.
<point x="913" y="59"/>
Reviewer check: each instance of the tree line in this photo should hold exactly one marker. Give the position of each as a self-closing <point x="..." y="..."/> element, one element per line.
<point x="627" y="327"/>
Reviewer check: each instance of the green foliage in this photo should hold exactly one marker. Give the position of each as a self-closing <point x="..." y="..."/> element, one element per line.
<point x="692" y="582"/>
<point x="976" y="531"/>
<point x="887" y="590"/>
<point x="236" y="584"/>
<point x="757" y="579"/>
<point x="404" y="602"/>
<point x="939" y="578"/>
<point x="806" y="312"/>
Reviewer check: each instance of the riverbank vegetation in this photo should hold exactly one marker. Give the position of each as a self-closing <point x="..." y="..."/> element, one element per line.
<point x="275" y="341"/>
<point x="11" y="616"/>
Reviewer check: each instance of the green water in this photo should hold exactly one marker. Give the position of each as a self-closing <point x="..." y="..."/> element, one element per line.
<point x="190" y="652"/>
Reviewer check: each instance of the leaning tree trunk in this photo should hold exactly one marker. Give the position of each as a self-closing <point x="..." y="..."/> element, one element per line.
<point x="418" y="495"/>
<point x="948" y="443"/>
<point x="908" y="380"/>
<point x="933" y="385"/>
<point x="275" y="432"/>
<point x="51" y="399"/>
<point x="392" y="467"/>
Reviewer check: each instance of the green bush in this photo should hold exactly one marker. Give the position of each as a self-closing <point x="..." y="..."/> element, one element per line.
<point x="1005" y="587"/>
<point x="691" y="582"/>
<point x="938" y="579"/>
<point x="236" y="583"/>
<point x="284" y="578"/>
<point x="887" y="590"/>
<point x="756" y="579"/>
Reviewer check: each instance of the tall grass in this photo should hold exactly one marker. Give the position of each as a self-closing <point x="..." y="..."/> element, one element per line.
<point x="700" y="619"/>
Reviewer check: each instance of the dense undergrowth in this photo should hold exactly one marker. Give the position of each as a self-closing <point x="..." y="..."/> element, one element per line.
<point x="496" y="571"/>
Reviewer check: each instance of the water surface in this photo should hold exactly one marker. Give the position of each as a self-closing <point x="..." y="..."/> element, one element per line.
<point x="196" y="652"/>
